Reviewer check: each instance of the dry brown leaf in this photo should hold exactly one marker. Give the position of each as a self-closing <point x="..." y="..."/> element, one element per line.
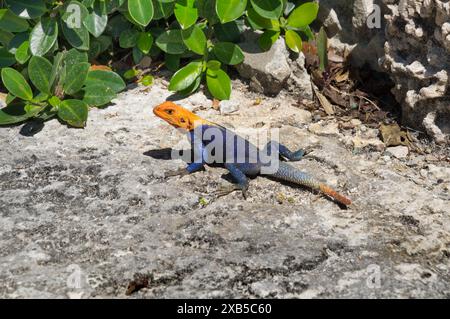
<point x="341" y="77"/>
<point x="393" y="135"/>
<point x="327" y="106"/>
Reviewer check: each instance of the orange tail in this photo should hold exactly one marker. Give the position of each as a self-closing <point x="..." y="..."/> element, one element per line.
<point x="332" y="193"/>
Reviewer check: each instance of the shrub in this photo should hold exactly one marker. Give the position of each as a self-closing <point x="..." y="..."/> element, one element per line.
<point x="47" y="47"/>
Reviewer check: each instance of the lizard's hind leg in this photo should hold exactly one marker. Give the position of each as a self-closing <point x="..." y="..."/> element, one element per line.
<point x="239" y="177"/>
<point x="283" y="151"/>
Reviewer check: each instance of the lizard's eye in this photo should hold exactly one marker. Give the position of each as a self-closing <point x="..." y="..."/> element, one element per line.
<point x="170" y="112"/>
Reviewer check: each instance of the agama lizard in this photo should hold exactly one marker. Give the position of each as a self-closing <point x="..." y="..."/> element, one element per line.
<point x="240" y="162"/>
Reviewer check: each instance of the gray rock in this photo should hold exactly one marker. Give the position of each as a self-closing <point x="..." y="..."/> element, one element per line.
<point x="398" y="151"/>
<point x="272" y="71"/>
<point x="269" y="71"/>
<point x="228" y="107"/>
<point x="85" y="212"/>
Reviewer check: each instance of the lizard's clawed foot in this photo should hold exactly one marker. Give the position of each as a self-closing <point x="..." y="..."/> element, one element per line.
<point x="226" y="190"/>
<point x="179" y="172"/>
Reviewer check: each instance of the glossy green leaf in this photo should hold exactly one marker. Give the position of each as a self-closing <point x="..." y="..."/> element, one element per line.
<point x="270" y="9"/>
<point x="73" y="112"/>
<point x="147" y="80"/>
<point x="228" y="53"/>
<point x="268" y="38"/>
<point x="98" y="95"/>
<point x="5" y="37"/>
<point x="128" y="38"/>
<point x="257" y="22"/>
<point x="141" y="11"/>
<point x="12" y="23"/>
<point x="39" y="70"/>
<point x="97" y="19"/>
<point x="207" y="10"/>
<point x="27" y="9"/>
<point x="43" y="36"/>
<point x="171" y="41"/>
<point x="186" y="13"/>
<point x="192" y="88"/>
<point x="163" y="9"/>
<point x="195" y="40"/>
<point x="214" y="65"/>
<point x="14" y="114"/>
<point x="219" y="84"/>
<point x="229" y="32"/>
<point x="145" y="42"/>
<point x="76" y="77"/>
<point x="186" y="76"/>
<point x="6" y="58"/>
<point x="16" y="84"/>
<point x="293" y="41"/>
<point x="107" y="79"/>
<point x="230" y="10"/>
<point x="23" y="52"/>
<point x="303" y="15"/>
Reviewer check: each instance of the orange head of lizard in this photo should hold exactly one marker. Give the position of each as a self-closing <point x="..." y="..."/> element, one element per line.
<point x="177" y="116"/>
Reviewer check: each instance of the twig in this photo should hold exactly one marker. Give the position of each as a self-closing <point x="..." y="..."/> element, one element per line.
<point x="358" y="96"/>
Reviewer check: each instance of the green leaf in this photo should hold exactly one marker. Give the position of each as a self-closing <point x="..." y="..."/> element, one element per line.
<point x="23" y="52"/>
<point x="257" y="22"/>
<point x="293" y="40"/>
<point x="228" y="53"/>
<point x="270" y="9"/>
<point x="171" y="41"/>
<point x="172" y="61"/>
<point x="195" y="39"/>
<point x="137" y="55"/>
<point x="213" y="65"/>
<point x="147" y="80"/>
<point x="39" y="70"/>
<point x="145" y="42"/>
<point x="74" y="57"/>
<point x="322" y="49"/>
<point x="12" y="23"/>
<point x="268" y="38"/>
<point x="131" y="74"/>
<point x="186" y="13"/>
<point x="57" y="67"/>
<point x="16" y="84"/>
<point x="219" y="84"/>
<point x="207" y="10"/>
<point x="27" y="9"/>
<point x="77" y="37"/>
<point x="107" y="79"/>
<point x="128" y="38"/>
<point x="74" y="112"/>
<point x="116" y="25"/>
<point x="13" y="114"/>
<point x="5" y="37"/>
<point x="230" y="10"/>
<point x="43" y="36"/>
<point x="76" y="77"/>
<point x="163" y="9"/>
<point x="186" y="76"/>
<point x="141" y="11"/>
<point x="229" y="32"/>
<point x="97" y="19"/>
<point x="192" y="88"/>
<point x="98" y="95"/>
<point x="303" y="15"/>
<point x="6" y="58"/>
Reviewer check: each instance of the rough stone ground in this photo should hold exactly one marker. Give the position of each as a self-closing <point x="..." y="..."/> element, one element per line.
<point x="83" y="212"/>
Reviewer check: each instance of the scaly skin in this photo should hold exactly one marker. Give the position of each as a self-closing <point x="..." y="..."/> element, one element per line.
<point x="239" y="165"/>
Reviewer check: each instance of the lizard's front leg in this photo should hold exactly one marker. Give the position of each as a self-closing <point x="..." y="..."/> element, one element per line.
<point x="239" y="177"/>
<point x="284" y="151"/>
